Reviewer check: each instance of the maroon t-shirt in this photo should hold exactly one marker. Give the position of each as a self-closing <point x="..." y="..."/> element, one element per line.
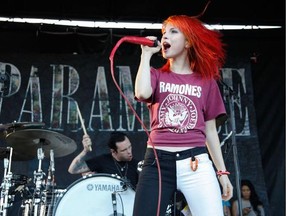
<point x="179" y="107"/>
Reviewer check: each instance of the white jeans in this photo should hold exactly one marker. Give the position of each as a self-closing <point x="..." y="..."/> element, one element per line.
<point x="201" y="187"/>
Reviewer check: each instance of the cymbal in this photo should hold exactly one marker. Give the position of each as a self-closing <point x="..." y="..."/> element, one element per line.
<point x="27" y="142"/>
<point x="5" y="153"/>
<point x="10" y="127"/>
<point x="22" y="125"/>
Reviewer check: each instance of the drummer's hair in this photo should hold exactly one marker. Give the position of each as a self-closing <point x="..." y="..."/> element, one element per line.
<point x="115" y="137"/>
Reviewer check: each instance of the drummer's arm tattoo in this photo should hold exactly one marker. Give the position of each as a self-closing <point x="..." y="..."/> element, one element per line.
<point x="79" y="165"/>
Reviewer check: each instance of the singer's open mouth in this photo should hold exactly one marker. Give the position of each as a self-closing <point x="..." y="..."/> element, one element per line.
<point x="166" y="46"/>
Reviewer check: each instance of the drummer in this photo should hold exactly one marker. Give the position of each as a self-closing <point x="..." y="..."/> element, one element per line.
<point x="119" y="161"/>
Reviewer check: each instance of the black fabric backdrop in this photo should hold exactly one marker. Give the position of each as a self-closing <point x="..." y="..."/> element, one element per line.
<point x="260" y="54"/>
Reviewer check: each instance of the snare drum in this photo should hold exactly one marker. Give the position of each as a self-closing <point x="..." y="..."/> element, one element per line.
<point x="98" y="194"/>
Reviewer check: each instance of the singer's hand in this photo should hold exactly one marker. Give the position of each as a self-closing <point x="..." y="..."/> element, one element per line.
<point x="87" y="143"/>
<point x="151" y="50"/>
<point x="227" y="188"/>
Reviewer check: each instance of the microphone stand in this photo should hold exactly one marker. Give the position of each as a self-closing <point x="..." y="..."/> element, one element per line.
<point x="231" y="96"/>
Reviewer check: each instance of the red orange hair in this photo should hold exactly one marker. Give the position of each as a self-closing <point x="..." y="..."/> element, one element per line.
<point x="206" y="54"/>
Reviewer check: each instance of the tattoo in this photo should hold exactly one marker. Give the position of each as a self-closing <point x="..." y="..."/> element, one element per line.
<point x="79" y="165"/>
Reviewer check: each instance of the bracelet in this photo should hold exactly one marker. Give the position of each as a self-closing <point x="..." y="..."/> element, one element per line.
<point x="222" y="172"/>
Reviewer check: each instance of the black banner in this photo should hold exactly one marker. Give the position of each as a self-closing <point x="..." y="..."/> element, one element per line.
<point x="47" y="88"/>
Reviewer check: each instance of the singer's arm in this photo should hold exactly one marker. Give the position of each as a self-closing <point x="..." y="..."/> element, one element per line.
<point x="143" y="89"/>
<point x="78" y="165"/>
<point x="213" y="145"/>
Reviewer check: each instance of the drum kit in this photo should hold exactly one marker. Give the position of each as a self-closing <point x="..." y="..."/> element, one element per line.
<point x="100" y="194"/>
<point x="93" y="194"/>
<point x="26" y="141"/>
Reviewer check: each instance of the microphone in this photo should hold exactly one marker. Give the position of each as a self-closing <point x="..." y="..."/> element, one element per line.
<point x="141" y="40"/>
<point x="114" y="203"/>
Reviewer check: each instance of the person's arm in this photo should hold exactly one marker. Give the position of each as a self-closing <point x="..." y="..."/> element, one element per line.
<point x="261" y="210"/>
<point x="227" y="211"/>
<point x="214" y="148"/>
<point x="143" y="89"/>
<point x="234" y="208"/>
<point x="78" y="165"/>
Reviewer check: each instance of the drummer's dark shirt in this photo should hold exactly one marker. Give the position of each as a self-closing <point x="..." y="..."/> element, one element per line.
<point x="106" y="164"/>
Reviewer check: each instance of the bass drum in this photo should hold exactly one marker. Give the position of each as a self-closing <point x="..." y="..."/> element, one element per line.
<point x="98" y="194"/>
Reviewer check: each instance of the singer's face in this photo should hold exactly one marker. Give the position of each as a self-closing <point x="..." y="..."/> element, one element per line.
<point x="173" y="43"/>
<point x="124" y="150"/>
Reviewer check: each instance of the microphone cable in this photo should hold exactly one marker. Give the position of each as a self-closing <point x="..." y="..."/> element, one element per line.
<point x="111" y="57"/>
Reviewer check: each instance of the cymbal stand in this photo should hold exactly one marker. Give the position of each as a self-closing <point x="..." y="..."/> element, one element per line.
<point x="38" y="179"/>
<point x="6" y="184"/>
<point x="46" y="206"/>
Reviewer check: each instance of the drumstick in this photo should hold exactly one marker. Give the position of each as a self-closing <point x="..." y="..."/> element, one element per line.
<point x="82" y="123"/>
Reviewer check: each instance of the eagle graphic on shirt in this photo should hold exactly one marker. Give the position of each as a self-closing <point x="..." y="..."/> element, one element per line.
<point x="178" y="113"/>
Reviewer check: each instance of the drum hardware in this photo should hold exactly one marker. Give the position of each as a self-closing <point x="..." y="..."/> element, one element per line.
<point x="50" y="182"/>
<point x="38" y="180"/>
<point x="140" y="166"/>
<point x="5" y="186"/>
<point x="13" y="184"/>
<point x="43" y="199"/>
<point x="47" y="205"/>
<point x="26" y="206"/>
<point x="114" y="201"/>
<point x="26" y="141"/>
